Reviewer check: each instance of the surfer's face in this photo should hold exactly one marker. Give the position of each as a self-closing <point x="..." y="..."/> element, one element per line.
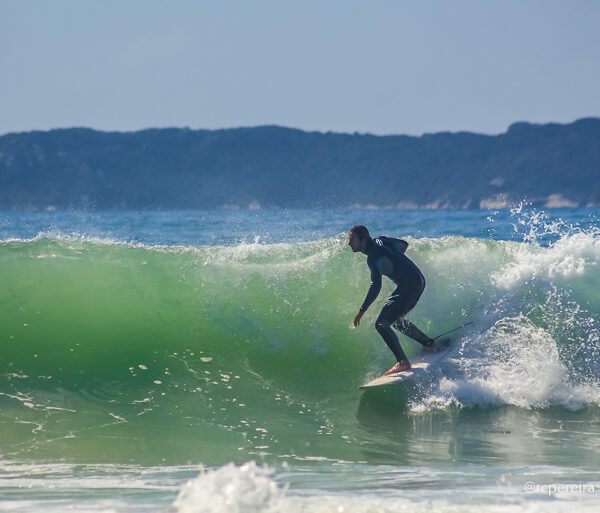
<point x="355" y="243"/>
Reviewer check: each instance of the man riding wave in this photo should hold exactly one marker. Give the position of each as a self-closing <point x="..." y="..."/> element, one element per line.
<point x="385" y="256"/>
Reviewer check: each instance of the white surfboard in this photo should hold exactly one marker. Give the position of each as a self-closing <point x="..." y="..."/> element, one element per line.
<point x="419" y="366"/>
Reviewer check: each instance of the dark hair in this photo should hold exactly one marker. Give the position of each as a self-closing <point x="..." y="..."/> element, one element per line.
<point x="360" y="231"/>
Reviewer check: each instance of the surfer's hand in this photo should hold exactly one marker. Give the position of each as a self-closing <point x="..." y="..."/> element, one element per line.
<point x="358" y="317"/>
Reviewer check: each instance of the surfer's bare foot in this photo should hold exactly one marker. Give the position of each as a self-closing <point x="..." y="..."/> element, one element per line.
<point x="400" y="366"/>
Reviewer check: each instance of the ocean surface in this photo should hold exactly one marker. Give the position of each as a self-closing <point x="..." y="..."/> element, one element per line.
<point x="207" y="362"/>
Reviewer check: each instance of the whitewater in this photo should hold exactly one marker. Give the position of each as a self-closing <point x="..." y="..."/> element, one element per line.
<point x="206" y="361"/>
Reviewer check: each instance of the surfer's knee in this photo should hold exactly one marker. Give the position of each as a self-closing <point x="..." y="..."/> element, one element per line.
<point x="382" y="325"/>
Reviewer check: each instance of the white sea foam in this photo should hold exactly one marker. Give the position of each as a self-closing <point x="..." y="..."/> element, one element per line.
<point x="514" y="362"/>
<point x="35" y="487"/>
<point x="245" y="489"/>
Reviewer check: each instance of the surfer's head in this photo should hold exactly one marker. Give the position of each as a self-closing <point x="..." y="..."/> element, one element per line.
<point x="358" y="237"/>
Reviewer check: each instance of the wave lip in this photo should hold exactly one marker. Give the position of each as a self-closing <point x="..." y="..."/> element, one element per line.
<point x="565" y="259"/>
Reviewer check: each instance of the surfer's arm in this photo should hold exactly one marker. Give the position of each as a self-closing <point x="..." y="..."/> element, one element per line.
<point x="374" y="288"/>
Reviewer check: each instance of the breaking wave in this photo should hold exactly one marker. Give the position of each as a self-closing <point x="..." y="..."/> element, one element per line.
<point x="119" y="350"/>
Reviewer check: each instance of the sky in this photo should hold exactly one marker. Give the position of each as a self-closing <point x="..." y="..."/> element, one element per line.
<point x="377" y="66"/>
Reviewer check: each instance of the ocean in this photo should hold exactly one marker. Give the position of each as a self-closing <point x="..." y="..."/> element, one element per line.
<point x="206" y="362"/>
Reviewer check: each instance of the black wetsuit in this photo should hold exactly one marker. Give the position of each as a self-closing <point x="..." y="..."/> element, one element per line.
<point x="410" y="283"/>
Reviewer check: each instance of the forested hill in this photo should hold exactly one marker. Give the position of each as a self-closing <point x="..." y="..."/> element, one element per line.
<point x="270" y="166"/>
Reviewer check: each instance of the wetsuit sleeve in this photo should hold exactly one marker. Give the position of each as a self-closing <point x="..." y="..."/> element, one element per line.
<point x="375" y="287"/>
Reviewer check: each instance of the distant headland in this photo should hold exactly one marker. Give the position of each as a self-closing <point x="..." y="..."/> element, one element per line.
<point x="552" y="165"/>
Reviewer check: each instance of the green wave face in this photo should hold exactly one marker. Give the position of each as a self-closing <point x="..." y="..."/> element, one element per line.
<point x="162" y="354"/>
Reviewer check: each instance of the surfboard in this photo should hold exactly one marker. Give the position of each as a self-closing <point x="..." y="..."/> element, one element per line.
<point x="419" y="366"/>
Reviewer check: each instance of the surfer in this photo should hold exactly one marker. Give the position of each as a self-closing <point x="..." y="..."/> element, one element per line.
<point x="385" y="256"/>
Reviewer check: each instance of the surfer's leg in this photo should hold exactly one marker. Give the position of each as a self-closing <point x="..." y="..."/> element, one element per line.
<point x="383" y="325"/>
<point x="411" y="331"/>
<point x="409" y="300"/>
<point x="384" y="328"/>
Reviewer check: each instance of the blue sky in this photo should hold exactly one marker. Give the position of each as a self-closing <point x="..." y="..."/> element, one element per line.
<point x="384" y="67"/>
